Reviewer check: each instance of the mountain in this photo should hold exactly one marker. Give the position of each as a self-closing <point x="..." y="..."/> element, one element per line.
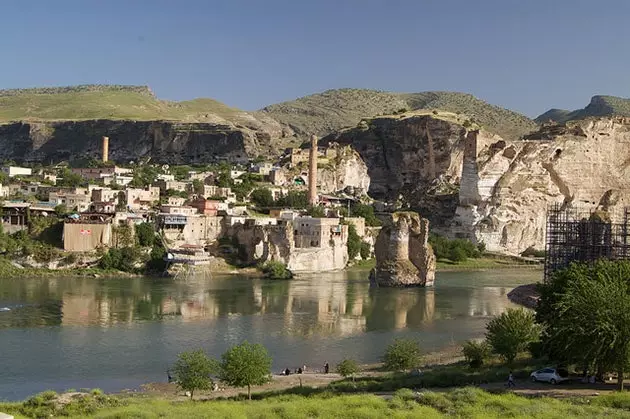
<point x="599" y="106"/>
<point x="332" y="110"/>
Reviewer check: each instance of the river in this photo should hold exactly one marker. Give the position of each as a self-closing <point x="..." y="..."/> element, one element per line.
<point x="116" y="334"/>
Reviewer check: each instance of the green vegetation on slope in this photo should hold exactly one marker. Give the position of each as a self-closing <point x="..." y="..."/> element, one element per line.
<point x="599" y="106"/>
<point x="105" y="102"/>
<point x="332" y="110"/>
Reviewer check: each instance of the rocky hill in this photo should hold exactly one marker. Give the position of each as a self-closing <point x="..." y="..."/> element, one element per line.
<point x="332" y="110"/>
<point x="599" y="106"/>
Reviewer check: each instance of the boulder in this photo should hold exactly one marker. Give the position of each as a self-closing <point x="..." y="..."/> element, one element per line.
<point x="404" y="257"/>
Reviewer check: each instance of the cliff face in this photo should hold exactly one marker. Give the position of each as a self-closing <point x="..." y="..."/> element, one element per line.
<point x="163" y="141"/>
<point x="346" y="171"/>
<point x="507" y="186"/>
<point x="416" y="157"/>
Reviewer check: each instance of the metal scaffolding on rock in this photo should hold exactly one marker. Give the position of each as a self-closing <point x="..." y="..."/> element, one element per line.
<point x="580" y="234"/>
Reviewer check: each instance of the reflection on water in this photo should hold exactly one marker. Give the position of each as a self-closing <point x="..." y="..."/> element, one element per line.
<point x="332" y="304"/>
<point x="118" y="333"/>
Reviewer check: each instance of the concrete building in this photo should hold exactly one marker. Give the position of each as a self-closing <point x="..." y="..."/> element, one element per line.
<point x="263" y="168"/>
<point x="96" y="173"/>
<point x="316" y="232"/>
<point x="89" y="232"/>
<point x="202" y="176"/>
<point x="102" y="207"/>
<point x="106" y="195"/>
<point x="14" y="216"/>
<point x="116" y="179"/>
<point x="277" y="177"/>
<point x="206" y="207"/>
<point x="183" y="210"/>
<point x="165" y="177"/>
<point x="175" y="201"/>
<point x="235" y="173"/>
<point x="137" y="199"/>
<point x="73" y="201"/>
<point x="297" y="156"/>
<point x="17" y="171"/>
<point x="175" y="185"/>
<point x="190" y="229"/>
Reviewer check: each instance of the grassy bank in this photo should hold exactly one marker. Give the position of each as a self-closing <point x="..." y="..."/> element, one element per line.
<point x="7" y="269"/>
<point x="405" y="403"/>
<point x="471" y="264"/>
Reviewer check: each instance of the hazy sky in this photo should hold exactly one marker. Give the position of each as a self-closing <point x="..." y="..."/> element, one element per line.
<point x="524" y="55"/>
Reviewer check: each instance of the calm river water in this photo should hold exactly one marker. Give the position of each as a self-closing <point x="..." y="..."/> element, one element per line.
<point x="119" y="333"/>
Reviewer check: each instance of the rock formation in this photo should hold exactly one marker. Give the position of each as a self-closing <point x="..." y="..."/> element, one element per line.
<point x="163" y="141"/>
<point x="507" y="185"/>
<point x="403" y="256"/>
<point x="346" y="171"/>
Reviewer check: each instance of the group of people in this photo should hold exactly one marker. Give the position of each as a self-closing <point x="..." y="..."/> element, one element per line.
<point x="302" y="370"/>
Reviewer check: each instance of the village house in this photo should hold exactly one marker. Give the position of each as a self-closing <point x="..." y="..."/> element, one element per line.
<point x="263" y="168"/>
<point x="317" y="232"/>
<point x="116" y="180"/>
<point x="202" y="176"/>
<point x="297" y="156"/>
<point x="12" y="171"/>
<point x="103" y="207"/>
<point x="206" y="207"/>
<point x="165" y="177"/>
<point x="87" y="232"/>
<point x="277" y="177"/>
<point x="183" y="210"/>
<point x="106" y="195"/>
<point x="73" y="201"/>
<point x="175" y="201"/>
<point x="141" y="199"/>
<point x="175" y="185"/>
<point x="96" y="173"/>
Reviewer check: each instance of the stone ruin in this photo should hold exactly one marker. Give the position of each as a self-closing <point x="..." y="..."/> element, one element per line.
<point x="404" y="258"/>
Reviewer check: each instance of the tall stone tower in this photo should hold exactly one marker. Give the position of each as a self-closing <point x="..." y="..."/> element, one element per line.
<point x="105" y="149"/>
<point x="312" y="172"/>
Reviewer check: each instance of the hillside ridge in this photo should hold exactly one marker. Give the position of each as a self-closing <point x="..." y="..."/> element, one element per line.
<point x="600" y="105"/>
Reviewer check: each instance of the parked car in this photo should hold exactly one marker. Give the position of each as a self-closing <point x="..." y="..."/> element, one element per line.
<point x="550" y="375"/>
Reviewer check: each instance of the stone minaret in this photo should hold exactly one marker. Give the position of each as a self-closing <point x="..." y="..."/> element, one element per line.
<point x="312" y="172"/>
<point x="105" y="149"/>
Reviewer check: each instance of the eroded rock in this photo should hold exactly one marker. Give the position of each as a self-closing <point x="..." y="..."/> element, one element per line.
<point x="404" y="257"/>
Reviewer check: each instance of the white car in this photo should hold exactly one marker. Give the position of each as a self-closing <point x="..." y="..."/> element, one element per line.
<point x="550" y="375"/>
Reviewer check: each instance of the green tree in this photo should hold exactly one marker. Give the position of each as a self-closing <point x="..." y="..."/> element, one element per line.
<point x="476" y="352"/>
<point x="591" y="318"/>
<point x="365" y="250"/>
<point x="145" y="234"/>
<point x="367" y="212"/>
<point x="198" y="187"/>
<point x="194" y="371"/>
<point x="457" y="254"/>
<point x="246" y="365"/>
<point x="262" y="197"/>
<point x="402" y="354"/>
<point x="347" y="368"/>
<point x="354" y="242"/>
<point x="316" y="211"/>
<point x="276" y="270"/>
<point x="511" y="332"/>
<point x="293" y="199"/>
<point x="61" y="210"/>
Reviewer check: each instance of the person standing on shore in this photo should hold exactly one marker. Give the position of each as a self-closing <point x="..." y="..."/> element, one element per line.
<point x="326" y="367"/>
<point x="510" y="382"/>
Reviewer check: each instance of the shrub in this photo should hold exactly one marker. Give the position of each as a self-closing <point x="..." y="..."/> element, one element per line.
<point x="316" y="211"/>
<point x="276" y="270"/>
<point x="246" y="365"/>
<point x="365" y="250"/>
<point x="402" y="354"/>
<point x="145" y="234"/>
<point x="262" y="197"/>
<point x="511" y="332"/>
<point x="367" y="212"/>
<point x="347" y="368"/>
<point x="533" y="253"/>
<point x="457" y="254"/>
<point x="354" y="242"/>
<point x="476" y="352"/>
<point x="194" y="370"/>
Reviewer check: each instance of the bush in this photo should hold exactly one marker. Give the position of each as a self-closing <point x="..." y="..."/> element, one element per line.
<point x="457" y="250"/>
<point x="262" y="197"/>
<point x="530" y="252"/>
<point x="276" y="270"/>
<point x="402" y="354"/>
<point x="367" y="212"/>
<point x="347" y="368"/>
<point x="354" y="242"/>
<point x="145" y="234"/>
<point x="122" y="259"/>
<point x="365" y="251"/>
<point x="457" y="254"/>
<point x="316" y="211"/>
<point x="193" y="371"/>
<point x="476" y="352"/>
<point x="511" y="333"/>
<point x="246" y="365"/>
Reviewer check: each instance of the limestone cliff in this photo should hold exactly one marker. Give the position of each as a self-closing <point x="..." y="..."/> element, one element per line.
<point x="416" y="157"/>
<point x="344" y="171"/>
<point x="507" y="185"/>
<point x="403" y="256"/>
<point x="163" y="141"/>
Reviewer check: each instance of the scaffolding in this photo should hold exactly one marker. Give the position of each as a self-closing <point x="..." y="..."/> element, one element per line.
<point x="580" y="234"/>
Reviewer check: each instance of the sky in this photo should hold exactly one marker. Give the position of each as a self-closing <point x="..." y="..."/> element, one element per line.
<point x="527" y="56"/>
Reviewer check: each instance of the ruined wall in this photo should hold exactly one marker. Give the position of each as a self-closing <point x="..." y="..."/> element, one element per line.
<point x="403" y="256"/>
<point x="262" y="243"/>
<point x="80" y="237"/>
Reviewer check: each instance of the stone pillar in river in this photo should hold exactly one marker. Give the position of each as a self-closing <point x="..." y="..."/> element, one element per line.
<point x="404" y="258"/>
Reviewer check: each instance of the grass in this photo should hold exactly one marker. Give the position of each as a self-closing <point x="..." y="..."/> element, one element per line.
<point x="105" y="102"/>
<point x="332" y="110"/>
<point x="466" y="402"/>
<point x="471" y="264"/>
